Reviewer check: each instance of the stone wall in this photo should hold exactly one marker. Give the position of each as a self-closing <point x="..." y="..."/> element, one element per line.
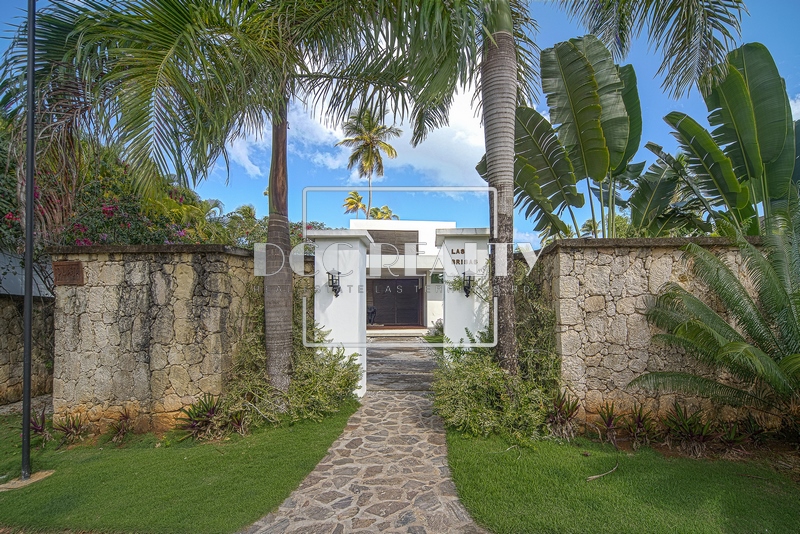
<point x="600" y="289"/>
<point x="153" y="329"/>
<point x="11" y="348"/>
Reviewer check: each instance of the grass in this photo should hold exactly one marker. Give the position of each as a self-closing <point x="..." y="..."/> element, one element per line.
<point x="544" y="489"/>
<point x="174" y="488"/>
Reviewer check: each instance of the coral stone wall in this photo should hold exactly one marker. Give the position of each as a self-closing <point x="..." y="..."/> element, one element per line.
<point x="153" y="329"/>
<point x="11" y="348"/>
<point x="600" y="289"/>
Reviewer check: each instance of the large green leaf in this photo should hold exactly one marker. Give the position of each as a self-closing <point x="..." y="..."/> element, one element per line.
<point x="653" y="196"/>
<point x="778" y="173"/>
<point x="544" y="180"/>
<point x="712" y="169"/>
<point x="613" y="116"/>
<point x="731" y="113"/>
<point x="633" y="107"/>
<point x="569" y="83"/>
<point x="768" y="94"/>
<point x="796" y="175"/>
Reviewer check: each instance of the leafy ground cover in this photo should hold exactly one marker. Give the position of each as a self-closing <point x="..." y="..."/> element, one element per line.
<point x="177" y="486"/>
<point x="544" y="489"/>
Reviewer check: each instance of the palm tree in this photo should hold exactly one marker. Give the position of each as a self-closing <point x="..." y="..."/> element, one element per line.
<point x="383" y="213"/>
<point x="353" y="204"/>
<point x="368" y="138"/>
<point x="181" y="78"/>
<point x="762" y="351"/>
<point x="176" y="80"/>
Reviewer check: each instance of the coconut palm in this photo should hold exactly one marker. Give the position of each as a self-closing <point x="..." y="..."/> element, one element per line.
<point x="353" y="204"/>
<point x="368" y="138"/>
<point x="383" y="213"/>
<point x="759" y="344"/>
<point x="180" y="79"/>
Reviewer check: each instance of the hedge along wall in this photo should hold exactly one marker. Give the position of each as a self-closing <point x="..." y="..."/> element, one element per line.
<point x="152" y="329"/>
<point x="11" y="348"/>
<point x="600" y="289"/>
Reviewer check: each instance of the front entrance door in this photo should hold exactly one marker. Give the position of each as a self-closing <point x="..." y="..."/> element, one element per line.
<point x="398" y="301"/>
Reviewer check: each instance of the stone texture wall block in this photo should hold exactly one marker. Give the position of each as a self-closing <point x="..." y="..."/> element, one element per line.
<point x="600" y="291"/>
<point x="153" y="329"/>
<point x="12" y="353"/>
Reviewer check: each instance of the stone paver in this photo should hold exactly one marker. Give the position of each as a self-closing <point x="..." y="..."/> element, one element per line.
<point x="400" y="368"/>
<point x="387" y="472"/>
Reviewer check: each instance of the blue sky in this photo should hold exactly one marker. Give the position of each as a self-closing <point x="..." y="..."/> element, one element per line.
<point x="449" y="155"/>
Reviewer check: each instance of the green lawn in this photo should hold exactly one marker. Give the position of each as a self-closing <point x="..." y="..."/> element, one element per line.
<point x="544" y="489"/>
<point x="184" y="487"/>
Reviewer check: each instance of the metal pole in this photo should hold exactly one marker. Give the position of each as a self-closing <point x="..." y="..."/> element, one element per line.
<point x="30" y="157"/>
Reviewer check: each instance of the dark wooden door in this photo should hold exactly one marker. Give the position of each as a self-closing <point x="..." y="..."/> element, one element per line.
<point x="398" y="301"/>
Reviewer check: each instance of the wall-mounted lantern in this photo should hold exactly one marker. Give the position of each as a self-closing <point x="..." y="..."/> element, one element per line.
<point x="468" y="281"/>
<point x="333" y="282"/>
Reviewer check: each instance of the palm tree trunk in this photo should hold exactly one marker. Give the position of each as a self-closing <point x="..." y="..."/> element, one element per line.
<point x="278" y="286"/>
<point x="369" y="194"/>
<point x="591" y="205"/>
<point x="499" y="95"/>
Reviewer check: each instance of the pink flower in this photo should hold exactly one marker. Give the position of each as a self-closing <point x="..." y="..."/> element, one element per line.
<point x="109" y="211"/>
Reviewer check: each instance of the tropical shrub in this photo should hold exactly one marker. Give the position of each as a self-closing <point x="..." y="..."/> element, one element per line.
<point x="198" y="420"/>
<point x="609" y="423"/>
<point x="470" y="394"/>
<point x="690" y="430"/>
<point x="475" y="396"/>
<point x="759" y="346"/>
<point x="561" y="415"/>
<point x="71" y="428"/>
<point x="323" y="380"/>
<point x="640" y="426"/>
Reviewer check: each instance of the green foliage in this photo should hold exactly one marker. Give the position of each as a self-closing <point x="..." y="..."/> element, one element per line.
<point x="688" y="429"/>
<point x="596" y="130"/>
<point x="640" y="426"/>
<point x="761" y="353"/>
<point x="323" y="380"/>
<point x="198" y="419"/>
<point x="535" y="331"/>
<point x="474" y="395"/>
<point x="609" y="423"/>
<point x="561" y="415"/>
<point x="71" y="428"/>
<point x="122" y="427"/>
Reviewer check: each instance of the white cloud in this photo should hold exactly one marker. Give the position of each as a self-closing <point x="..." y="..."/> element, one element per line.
<point x="526" y="237"/>
<point x="239" y="151"/>
<point x="447" y="157"/>
<point x="795" y="102"/>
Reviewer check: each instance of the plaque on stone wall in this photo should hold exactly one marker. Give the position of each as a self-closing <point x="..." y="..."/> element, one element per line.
<point x="68" y="273"/>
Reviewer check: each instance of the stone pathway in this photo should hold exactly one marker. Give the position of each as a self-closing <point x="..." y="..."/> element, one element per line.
<point x="387" y="472"/>
<point x="404" y="368"/>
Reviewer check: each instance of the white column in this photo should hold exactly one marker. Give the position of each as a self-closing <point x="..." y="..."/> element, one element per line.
<point x="467" y="250"/>
<point x="343" y="252"/>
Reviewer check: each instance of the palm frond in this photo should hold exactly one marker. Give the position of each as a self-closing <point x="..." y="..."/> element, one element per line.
<point x="696" y="385"/>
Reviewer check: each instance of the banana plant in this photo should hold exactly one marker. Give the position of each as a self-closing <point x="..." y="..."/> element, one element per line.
<point x="595" y="132"/>
<point x="747" y="162"/>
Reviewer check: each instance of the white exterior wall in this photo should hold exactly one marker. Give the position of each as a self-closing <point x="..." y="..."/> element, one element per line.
<point x="346" y="315"/>
<point x="462" y="312"/>
<point x="434" y="301"/>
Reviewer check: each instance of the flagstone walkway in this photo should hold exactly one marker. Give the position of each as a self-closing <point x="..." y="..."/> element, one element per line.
<point x="387" y="472"/>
